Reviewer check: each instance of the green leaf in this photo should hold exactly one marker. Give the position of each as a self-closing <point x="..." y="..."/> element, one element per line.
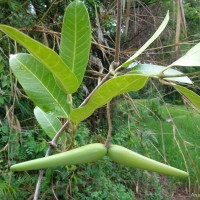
<point x="191" y="58"/>
<point x="155" y="35"/>
<point x="47" y="56"/>
<point x="154" y="70"/>
<point x="192" y="96"/>
<point x="50" y="124"/>
<point x="106" y="92"/>
<point x="1" y="68"/>
<point x="76" y="39"/>
<point x="39" y="84"/>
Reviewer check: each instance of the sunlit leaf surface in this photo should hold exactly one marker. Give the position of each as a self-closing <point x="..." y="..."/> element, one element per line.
<point x="39" y="84"/>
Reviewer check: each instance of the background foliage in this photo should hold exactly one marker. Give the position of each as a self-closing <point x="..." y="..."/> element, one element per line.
<point x="151" y="125"/>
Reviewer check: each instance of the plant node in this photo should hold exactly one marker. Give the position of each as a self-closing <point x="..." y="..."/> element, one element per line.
<point x="52" y="144"/>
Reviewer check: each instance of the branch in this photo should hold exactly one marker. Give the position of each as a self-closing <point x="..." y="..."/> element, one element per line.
<point x="102" y="81"/>
<point x="52" y="145"/>
<point x="128" y="97"/>
<point x="45" y="14"/>
<point x="95" y="73"/>
<point x="118" y="33"/>
<point x="107" y="144"/>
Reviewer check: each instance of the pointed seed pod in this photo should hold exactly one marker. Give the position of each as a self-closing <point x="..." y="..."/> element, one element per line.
<point x="128" y="158"/>
<point x="85" y="154"/>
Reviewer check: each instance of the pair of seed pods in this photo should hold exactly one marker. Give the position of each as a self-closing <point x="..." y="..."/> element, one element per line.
<point x="94" y="152"/>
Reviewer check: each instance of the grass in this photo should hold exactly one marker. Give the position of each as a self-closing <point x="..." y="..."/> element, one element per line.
<point x="177" y="130"/>
<point x="164" y="132"/>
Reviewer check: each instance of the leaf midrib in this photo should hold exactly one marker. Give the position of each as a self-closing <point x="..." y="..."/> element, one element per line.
<point x="186" y="56"/>
<point x="74" y="44"/>
<point x="55" y="131"/>
<point x="44" y="87"/>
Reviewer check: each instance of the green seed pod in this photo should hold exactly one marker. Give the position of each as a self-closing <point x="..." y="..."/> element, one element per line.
<point x="85" y="154"/>
<point x="129" y="158"/>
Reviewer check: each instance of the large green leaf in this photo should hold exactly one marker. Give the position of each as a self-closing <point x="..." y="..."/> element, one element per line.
<point x="191" y="58"/>
<point x="155" y="70"/>
<point x="106" y="92"/>
<point x="192" y="96"/>
<point x="47" y="56"/>
<point x="76" y="38"/>
<point x="39" y="84"/>
<point x="50" y="124"/>
<point x="155" y="35"/>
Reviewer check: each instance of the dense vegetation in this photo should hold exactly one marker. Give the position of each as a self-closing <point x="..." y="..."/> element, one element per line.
<point x="155" y="123"/>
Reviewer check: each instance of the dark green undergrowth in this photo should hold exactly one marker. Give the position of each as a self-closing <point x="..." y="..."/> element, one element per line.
<point x="176" y="129"/>
<point x="165" y="132"/>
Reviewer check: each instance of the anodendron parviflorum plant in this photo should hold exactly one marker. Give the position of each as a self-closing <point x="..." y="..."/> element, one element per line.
<point x="50" y="79"/>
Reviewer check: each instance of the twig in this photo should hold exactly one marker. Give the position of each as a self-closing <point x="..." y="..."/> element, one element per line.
<point x="114" y="65"/>
<point x="128" y="8"/>
<point x="162" y="135"/>
<point x="128" y="97"/>
<point x="45" y="14"/>
<point x="178" y="29"/>
<point x="38" y="28"/>
<point x="102" y="81"/>
<point x="54" y="194"/>
<point x="107" y="143"/>
<point x="16" y="10"/>
<point x="117" y="50"/>
<point x="4" y="148"/>
<point x="118" y="34"/>
<point x="95" y="73"/>
<point x="52" y="145"/>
